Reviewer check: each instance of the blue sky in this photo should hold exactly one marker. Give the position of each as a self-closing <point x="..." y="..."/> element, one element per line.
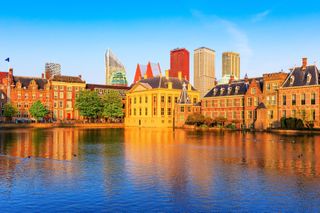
<point x="269" y="35"/>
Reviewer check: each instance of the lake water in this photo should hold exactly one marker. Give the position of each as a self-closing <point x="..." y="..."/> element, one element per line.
<point x="152" y="170"/>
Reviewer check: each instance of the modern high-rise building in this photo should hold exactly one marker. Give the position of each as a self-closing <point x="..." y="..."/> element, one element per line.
<point x="204" y="69"/>
<point x="179" y="62"/>
<point x="115" y="71"/>
<point x="52" y="69"/>
<point x="231" y="64"/>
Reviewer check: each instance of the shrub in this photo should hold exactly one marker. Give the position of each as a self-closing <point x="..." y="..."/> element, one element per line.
<point x="195" y="119"/>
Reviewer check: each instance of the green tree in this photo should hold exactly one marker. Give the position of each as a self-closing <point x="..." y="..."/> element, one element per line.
<point x="89" y="104"/>
<point x="9" y="111"/>
<point x="112" y="108"/>
<point x="38" y="111"/>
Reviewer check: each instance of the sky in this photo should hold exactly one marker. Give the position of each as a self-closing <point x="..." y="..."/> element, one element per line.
<point x="270" y="35"/>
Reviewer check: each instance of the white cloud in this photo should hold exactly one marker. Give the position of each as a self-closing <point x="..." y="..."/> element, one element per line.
<point x="260" y="16"/>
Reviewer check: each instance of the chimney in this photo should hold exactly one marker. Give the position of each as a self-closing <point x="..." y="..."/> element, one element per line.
<point x="180" y="75"/>
<point x="80" y="76"/>
<point x="47" y="74"/>
<point x="304" y="63"/>
<point x="167" y="74"/>
<point x="146" y="76"/>
<point x="231" y="79"/>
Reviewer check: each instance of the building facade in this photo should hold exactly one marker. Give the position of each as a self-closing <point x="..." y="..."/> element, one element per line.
<point x="115" y="70"/>
<point x="231" y="64"/>
<point x="204" y="70"/>
<point x="151" y="102"/>
<point x="299" y="94"/>
<point x="179" y="62"/>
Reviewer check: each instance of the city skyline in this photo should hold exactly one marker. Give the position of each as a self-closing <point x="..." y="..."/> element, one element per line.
<point x="269" y="37"/>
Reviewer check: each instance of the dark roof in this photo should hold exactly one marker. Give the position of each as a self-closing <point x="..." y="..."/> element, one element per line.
<point x="261" y="106"/>
<point x="25" y="81"/>
<point x="64" y="78"/>
<point x="103" y="86"/>
<point x="238" y="87"/>
<point x="300" y="76"/>
<point x="162" y="82"/>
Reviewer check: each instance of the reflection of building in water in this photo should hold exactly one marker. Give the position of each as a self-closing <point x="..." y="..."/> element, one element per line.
<point x="60" y="144"/>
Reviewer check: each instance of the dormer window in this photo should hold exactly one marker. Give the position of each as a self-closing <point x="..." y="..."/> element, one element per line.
<point x="215" y="91"/>
<point x="229" y="90"/>
<point x="309" y="78"/>
<point x="291" y="80"/>
<point x="237" y="89"/>
<point x="221" y="91"/>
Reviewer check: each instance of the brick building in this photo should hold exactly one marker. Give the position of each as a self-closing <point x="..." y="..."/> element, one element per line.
<point x="299" y="94"/>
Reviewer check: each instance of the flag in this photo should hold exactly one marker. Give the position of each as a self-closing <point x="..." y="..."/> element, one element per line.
<point x="7" y="60"/>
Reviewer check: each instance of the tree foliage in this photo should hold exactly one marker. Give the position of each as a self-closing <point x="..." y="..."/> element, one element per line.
<point x="9" y="110"/>
<point x="195" y="119"/>
<point x="291" y="123"/>
<point x="38" y="111"/>
<point x="112" y="105"/>
<point x="89" y="104"/>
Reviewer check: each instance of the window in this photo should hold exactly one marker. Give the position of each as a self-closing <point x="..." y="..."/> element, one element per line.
<point x="253" y="91"/>
<point x="313" y="98"/>
<point x="303" y="99"/>
<point x="313" y="115"/>
<point x="176" y="99"/>
<point x="162" y="111"/>
<point x="273" y="100"/>
<point x="146" y="111"/>
<point x="293" y="113"/>
<point x="134" y="111"/>
<point x="308" y="78"/>
<point x="237" y="89"/>
<point x="256" y="101"/>
<point x="55" y="88"/>
<point x="169" y="111"/>
<point x="249" y="114"/>
<point x="60" y="104"/>
<point x="182" y="109"/>
<point x="234" y="102"/>
<point x="140" y="100"/>
<point x="293" y="101"/>
<point x="189" y="109"/>
<point x="61" y="113"/>
<point x="146" y="99"/>
<point x="221" y="91"/>
<point x="291" y="80"/>
<point x="140" y="111"/>
<point x="249" y="101"/>
<point x="61" y="95"/>
<point x="234" y="114"/>
<point x="154" y="111"/>
<point x="162" y="99"/>
<point x="61" y="87"/>
<point x="229" y="90"/>
<point x="135" y="100"/>
<point x="215" y="91"/>
<point x="55" y="105"/>
<point x="69" y="95"/>
<point x="270" y="114"/>
<point x="169" y="99"/>
<point x="284" y="113"/>
<point x="26" y="96"/>
<point x="194" y="100"/>
<point x="284" y="100"/>
<point x="69" y="88"/>
<point x="303" y="114"/>
<point x="69" y="104"/>
<point x="268" y="87"/>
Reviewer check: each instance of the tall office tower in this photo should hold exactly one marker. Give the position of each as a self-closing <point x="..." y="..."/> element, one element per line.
<point x="179" y="62"/>
<point x="115" y="71"/>
<point x="204" y="69"/>
<point x="52" y="69"/>
<point x="231" y="64"/>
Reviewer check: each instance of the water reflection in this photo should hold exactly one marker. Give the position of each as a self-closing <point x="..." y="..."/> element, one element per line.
<point x="159" y="169"/>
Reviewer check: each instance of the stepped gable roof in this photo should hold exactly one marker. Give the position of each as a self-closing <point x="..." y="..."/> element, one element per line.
<point x="103" y="86"/>
<point x="3" y="75"/>
<point x="237" y="87"/>
<point x="69" y="79"/>
<point x="25" y="81"/>
<point x="162" y="82"/>
<point x="299" y="77"/>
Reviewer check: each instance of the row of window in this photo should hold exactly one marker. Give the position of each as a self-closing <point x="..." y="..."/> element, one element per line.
<point x="170" y="99"/>
<point x="304" y="114"/>
<point x="303" y="100"/>
<point x="223" y="103"/>
<point x="56" y="88"/>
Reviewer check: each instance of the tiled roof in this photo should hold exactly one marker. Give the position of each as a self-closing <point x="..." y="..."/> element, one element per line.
<point x="299" y="77"/>
<point x="103" y="86"/>
<point x="162" y="82"/>
<point x="238" y="87"/>
<point x="69" y="79"/>
<point x="25" y="81"/>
